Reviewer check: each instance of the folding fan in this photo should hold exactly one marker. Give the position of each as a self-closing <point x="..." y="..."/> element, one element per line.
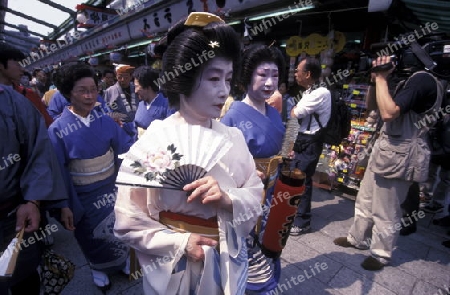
<point x="172" y="156"/>
<point x="9" y="256"/>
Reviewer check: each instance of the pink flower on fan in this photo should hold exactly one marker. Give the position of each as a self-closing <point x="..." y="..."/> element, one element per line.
<point x="159" y="161"/>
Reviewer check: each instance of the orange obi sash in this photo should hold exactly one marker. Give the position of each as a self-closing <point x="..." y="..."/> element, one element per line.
<point x="185" y="223"/>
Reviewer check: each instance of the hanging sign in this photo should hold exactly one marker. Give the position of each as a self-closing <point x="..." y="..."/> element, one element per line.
<point x="161" y="19"/>
<point x="106" y="40"/>
<point x="90" y="16"/>
<point x="314" y="44"/>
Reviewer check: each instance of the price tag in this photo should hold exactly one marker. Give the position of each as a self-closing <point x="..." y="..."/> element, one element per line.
<point x="322" y="156"/>
<point x="345" y="86"/>
<point x="353" y="105"/>
<point x="345" y="170"/>
<point x="356" y="92"/>
<point x="340" y="179"/>
<point x="364" y="141"/>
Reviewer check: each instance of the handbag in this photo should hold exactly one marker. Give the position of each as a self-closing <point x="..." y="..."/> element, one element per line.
<point x="57" y="271"/>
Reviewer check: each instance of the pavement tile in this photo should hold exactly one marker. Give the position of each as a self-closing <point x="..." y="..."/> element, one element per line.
<point x="66" y="245"/>
<point x="347" y="281"/>
<point x="305" y="258"/>
<point x="432" y="236"/>
<point x="134" y="290"/>
<point x="422" y="287"/>
<point x="293" y="282"/>
<point x="441" y="256"/>
<point x="395" y="280"/>
<point x="415" y="248"/>
<point x="81" y="283"/>
<point x="339" y="228"/>
<point x="428" y="271"/>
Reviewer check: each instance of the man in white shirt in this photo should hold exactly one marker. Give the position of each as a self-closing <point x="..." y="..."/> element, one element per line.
<point x="309" y="142"/>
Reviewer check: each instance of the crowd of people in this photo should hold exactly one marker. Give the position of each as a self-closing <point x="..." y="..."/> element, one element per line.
<point x="71" y="131"/>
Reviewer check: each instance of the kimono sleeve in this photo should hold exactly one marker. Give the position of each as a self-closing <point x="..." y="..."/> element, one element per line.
<point x="56" y="138"/>
<point x="40" y="179"/>
<point x="246" y="197"/>
<point x="228" y="119"/>
<point x="57" y="105"/>
<point x="137" y="224"/>
<point x="121" y="140"/>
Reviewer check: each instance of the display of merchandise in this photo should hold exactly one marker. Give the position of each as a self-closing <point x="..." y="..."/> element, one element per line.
<point x="345" y="164"/>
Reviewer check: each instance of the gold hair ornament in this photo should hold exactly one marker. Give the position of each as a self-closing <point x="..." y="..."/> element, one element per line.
<point x="201" y="19"/>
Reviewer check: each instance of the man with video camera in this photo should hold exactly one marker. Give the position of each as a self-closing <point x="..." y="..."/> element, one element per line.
<point x="400" y="155"/>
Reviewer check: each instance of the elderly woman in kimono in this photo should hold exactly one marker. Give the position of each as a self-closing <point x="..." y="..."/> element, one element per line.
<point x="263" y="130"/>
<point x="87" y="144"/>
<point x="226" y="201"/>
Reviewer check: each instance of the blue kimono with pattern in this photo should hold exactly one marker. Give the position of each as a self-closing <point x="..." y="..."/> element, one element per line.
<point x="92" y="204"/>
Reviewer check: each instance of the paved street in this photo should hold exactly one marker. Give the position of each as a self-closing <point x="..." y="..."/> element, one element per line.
<point x="421" y="265"/>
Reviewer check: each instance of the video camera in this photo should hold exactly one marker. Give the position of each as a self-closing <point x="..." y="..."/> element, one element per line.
<point x="410" y="57"/>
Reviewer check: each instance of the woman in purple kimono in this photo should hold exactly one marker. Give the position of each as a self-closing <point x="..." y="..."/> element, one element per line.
<point x="263" y="130"/>
<point x="87" y="143"/>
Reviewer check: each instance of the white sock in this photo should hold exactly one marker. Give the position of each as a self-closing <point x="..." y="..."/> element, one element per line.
<point x="100" y="278"/>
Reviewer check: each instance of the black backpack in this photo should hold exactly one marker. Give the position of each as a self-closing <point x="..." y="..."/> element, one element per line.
<point x="339" y="124"/>
<point x="440" y="133"/>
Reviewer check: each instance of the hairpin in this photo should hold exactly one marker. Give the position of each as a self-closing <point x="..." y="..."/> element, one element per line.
<point x="213" y="44"/>
<point x="201" y="19"/>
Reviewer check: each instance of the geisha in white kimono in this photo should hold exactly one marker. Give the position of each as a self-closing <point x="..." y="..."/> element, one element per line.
<point x="161" y="250"/>
<point x="223" y="206"/>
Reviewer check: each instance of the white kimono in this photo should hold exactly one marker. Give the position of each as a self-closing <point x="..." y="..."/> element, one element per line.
<point x="161" y="251"/>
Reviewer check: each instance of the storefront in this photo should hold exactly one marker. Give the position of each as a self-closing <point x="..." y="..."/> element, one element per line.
<point x="338" y="32"/>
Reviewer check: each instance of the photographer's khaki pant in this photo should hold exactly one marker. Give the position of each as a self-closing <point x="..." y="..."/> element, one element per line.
<point x="377" y="220"/>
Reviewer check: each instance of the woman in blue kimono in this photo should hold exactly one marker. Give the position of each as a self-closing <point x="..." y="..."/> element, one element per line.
<point x="263" y="130"/>
<point x="87" y="144"/>
<point x="260" y="123"/>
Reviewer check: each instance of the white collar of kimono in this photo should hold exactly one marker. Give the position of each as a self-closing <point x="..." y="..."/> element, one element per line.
<point x="86" y="121"/>
<point x="149" y="104"/>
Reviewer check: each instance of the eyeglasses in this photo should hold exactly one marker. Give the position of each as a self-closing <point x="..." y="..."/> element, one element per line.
<point x="85" y="91"/>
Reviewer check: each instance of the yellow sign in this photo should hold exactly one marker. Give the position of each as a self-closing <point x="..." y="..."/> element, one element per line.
<point x="314" y="44"/>
<point x="293" y="44"/>
<point x="338" y="41"/>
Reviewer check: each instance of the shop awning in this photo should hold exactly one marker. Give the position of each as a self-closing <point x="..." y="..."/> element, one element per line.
<point x="431" y="11"/>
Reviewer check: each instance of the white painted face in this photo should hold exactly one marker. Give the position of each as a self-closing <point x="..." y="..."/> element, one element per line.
<point x="264" y="81"/>
<point x="210" y="92"/>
